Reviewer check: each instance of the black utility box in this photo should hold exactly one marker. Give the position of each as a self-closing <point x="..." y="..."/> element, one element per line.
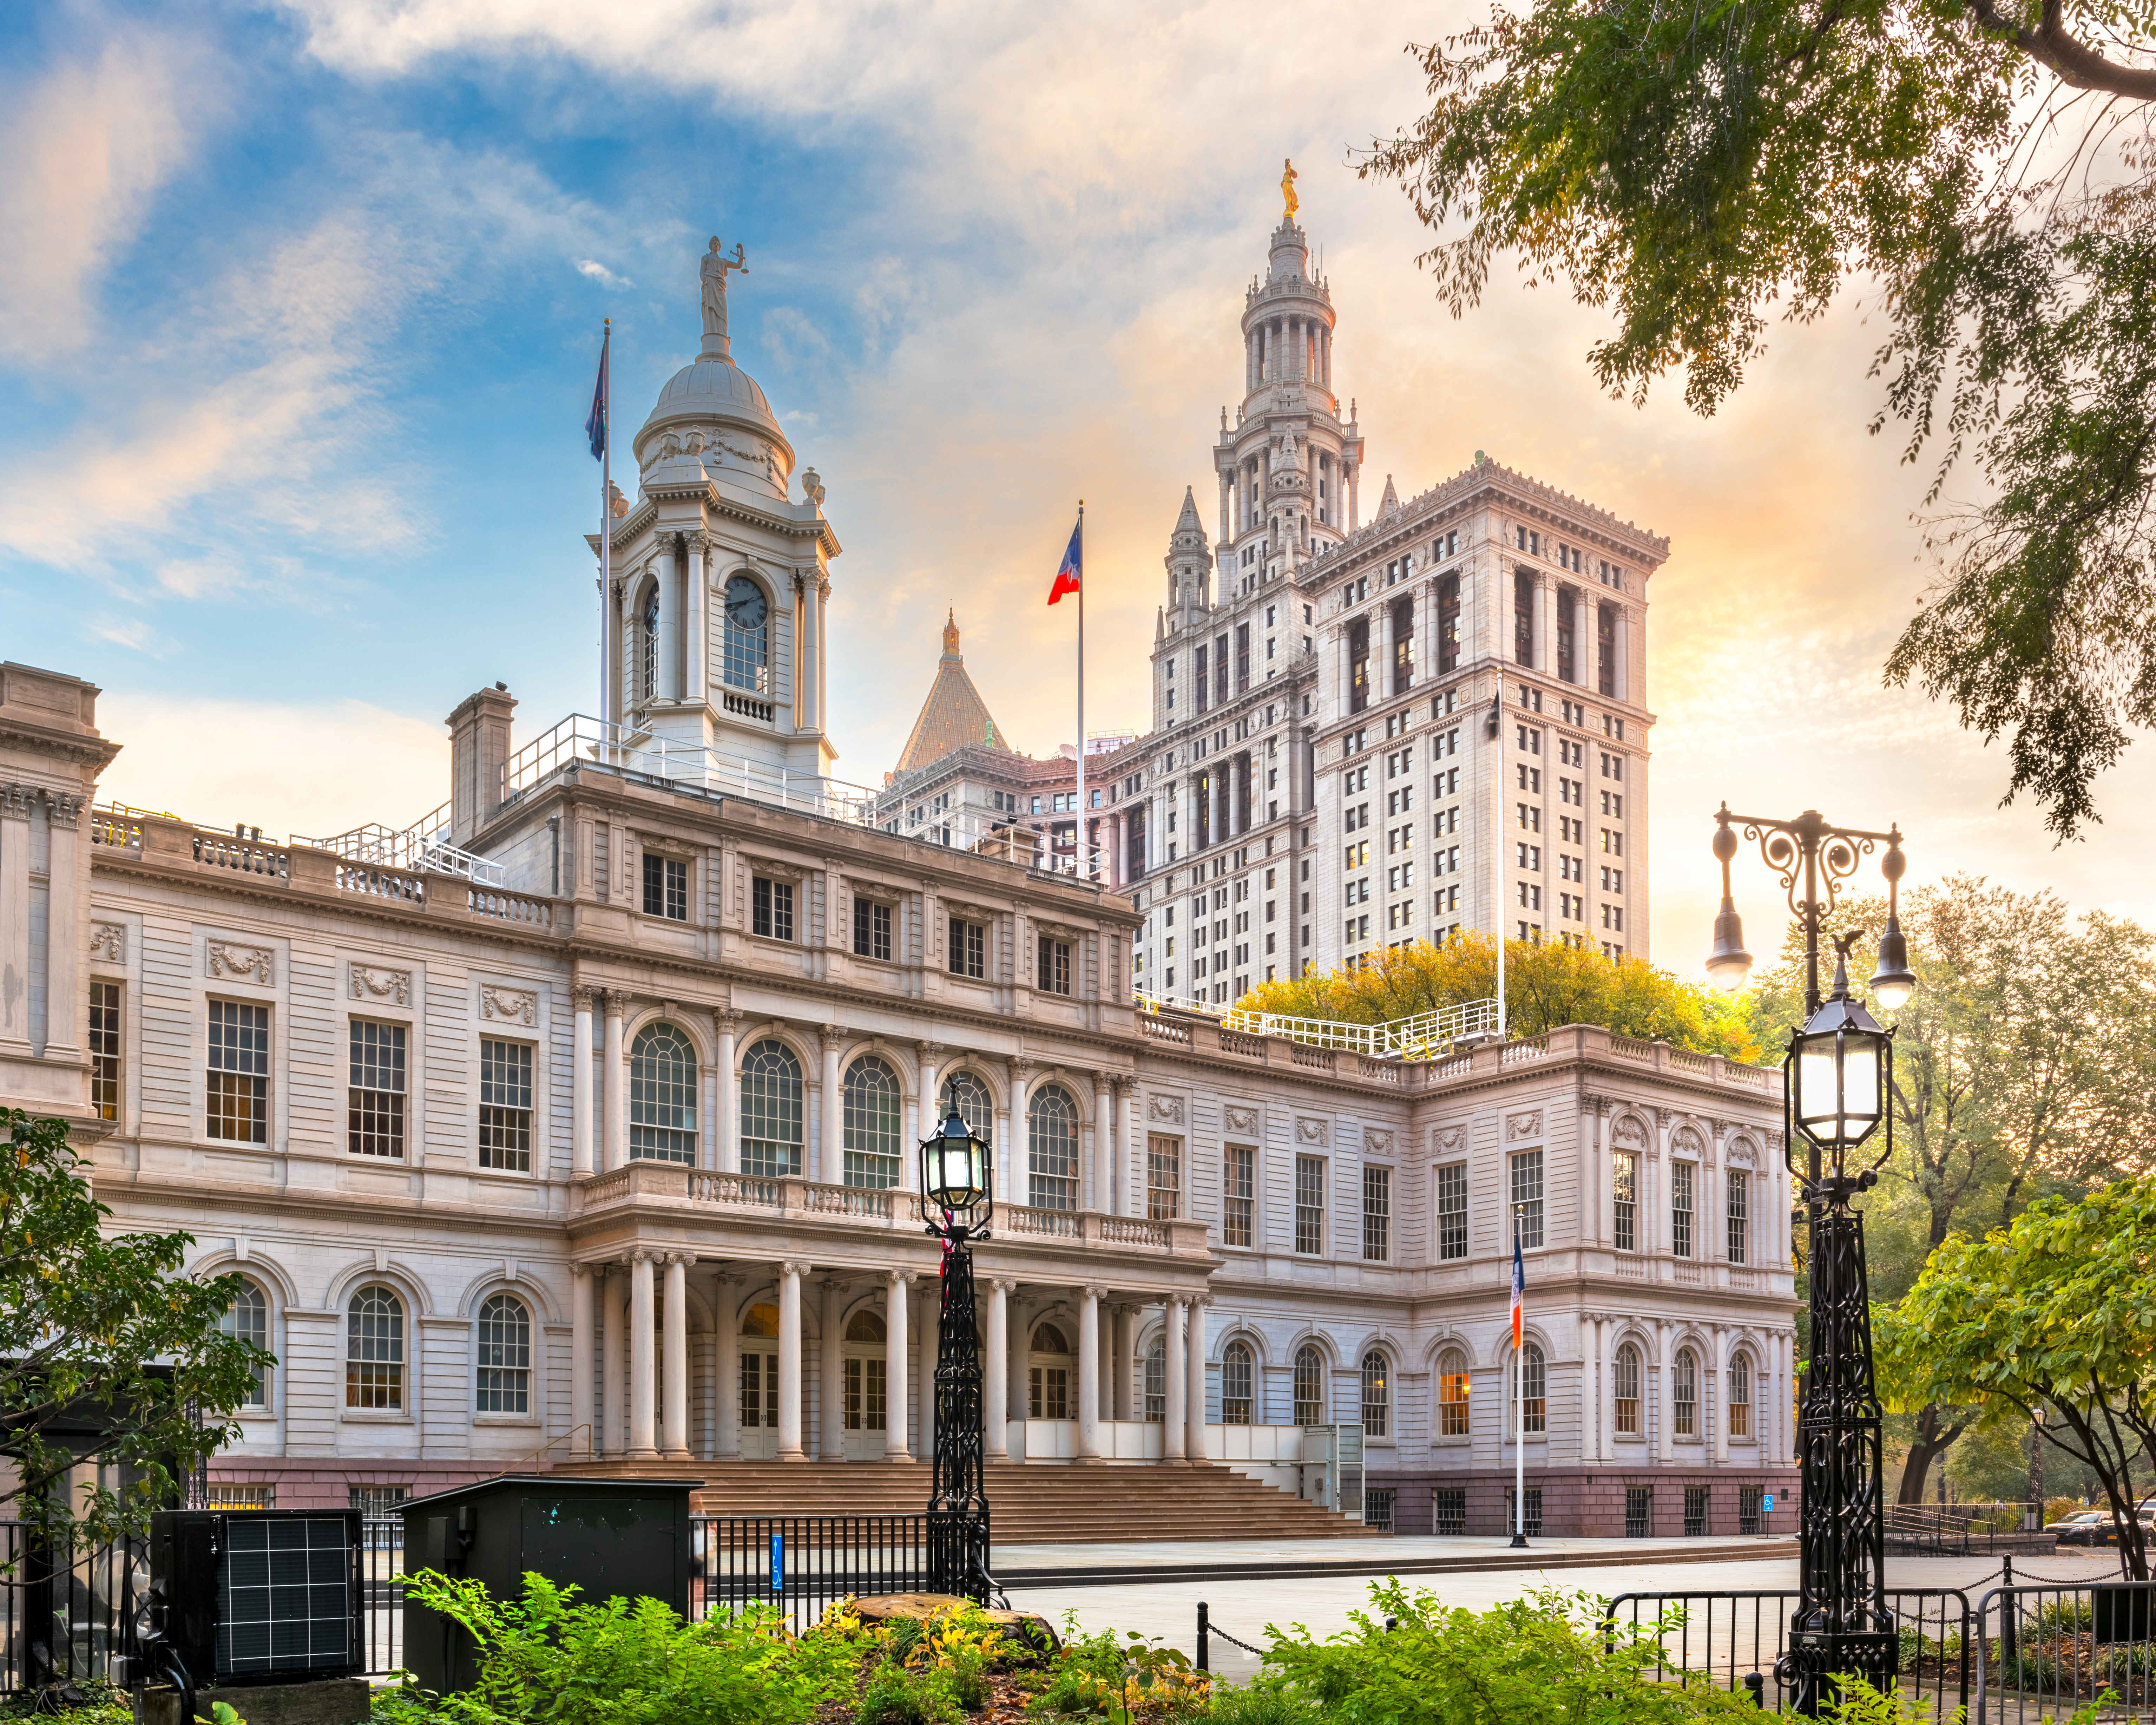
<point x="259" y="1595"/>
<point x="605" y="1538"/>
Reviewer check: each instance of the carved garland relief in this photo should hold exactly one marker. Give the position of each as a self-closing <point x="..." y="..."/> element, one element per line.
<point x="393" y="986"/>
<point x="1309" y="1132"/>
<point x="514" y="1006"/>
<point x="1523" y="1126"/>
<point x="109" y="940"/>
<point x="229" y="958"/>
<point x="1241" y="1120"/>
<point x="1167" y="1110"/>
<point x="1450" y="1138"/>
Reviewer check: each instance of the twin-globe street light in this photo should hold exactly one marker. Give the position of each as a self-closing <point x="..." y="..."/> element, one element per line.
<point x="957" y="1202"/>
<point x="1838" y="1078"/>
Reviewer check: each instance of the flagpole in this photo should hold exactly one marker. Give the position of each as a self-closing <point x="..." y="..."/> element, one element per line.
<point x="1085" y="869"/>
<point x="606" y="530"/>
<point x="1519" y="1408"/>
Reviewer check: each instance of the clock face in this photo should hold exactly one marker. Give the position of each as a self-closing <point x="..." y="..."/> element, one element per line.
<point x="745" y="606"/>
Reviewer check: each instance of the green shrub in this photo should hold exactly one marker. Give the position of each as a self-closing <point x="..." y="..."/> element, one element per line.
<point x="1542" y="1660"/>
<point x="543" y="1657"/>
<point x="896" y="1695"/>
<point x="1118" y="1678"/>
<point x="1258" y="1705"/>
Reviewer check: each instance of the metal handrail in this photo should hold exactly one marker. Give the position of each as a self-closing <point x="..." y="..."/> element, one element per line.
<point x="1415" y="1037"/>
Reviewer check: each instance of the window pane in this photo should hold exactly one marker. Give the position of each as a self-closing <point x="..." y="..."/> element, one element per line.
<point x="1625" y="1189"/>
<point x="1527" y="1197"/>
<point x="1453" y="1389"/>
<point x="1309" y="1203"/>
<point x="1236" y="1385"/>
<point x="104" y="1049"/>
<point x="504" y="1356"/>
<point x="238" y="1090"/>
<point x="1452" y="1210"/>
<point x="1163" y="1178"/>
<point x="505" y="1105"/>
<point x="374" y="1350"/>
<point x="248" y="1318"/>
<point x="1376" y="1395"/>
<point x="1309" y="1387"/>
<point x="1239" y="1191"/>
<point x="1533" y="1388"/>
<point x="744" y="661"/>
<point x="771" y="1111"/>
<point x="1052" y="1150"/>
<point x="662" y="1096"/>
<point x="376" y="1111"/>
<point x="1376" y="1213"/>
<point x="875" y="1124"/>
<point x="1681" y="1176"/>
<point x="1740" y="1196"/>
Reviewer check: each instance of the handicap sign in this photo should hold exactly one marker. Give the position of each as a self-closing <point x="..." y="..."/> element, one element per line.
<point x="778" y="1563"/>
<point x="1767" y="1502"/>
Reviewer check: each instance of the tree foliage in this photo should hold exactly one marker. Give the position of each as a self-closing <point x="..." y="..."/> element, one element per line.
<point x="1546" y="985"/>
<point x="1696" y="168"/>
<point x="2052" y="1319"/>
<point x="104" y="1335"/>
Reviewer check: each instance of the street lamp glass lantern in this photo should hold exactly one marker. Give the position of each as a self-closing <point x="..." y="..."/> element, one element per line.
<point x="954" y="1166"/>
<point x="1840" y="1076"/>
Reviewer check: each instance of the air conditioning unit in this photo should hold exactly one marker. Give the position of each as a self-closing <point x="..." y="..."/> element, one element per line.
<point x="259" y="1595"/>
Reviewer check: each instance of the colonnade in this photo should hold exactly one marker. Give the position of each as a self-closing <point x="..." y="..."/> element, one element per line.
<point x="643" y="1357"/>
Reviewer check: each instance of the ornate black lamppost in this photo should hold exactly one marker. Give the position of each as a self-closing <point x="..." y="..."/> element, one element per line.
<point x="1837" y="1079"/>
<point x="957" y="1202"/>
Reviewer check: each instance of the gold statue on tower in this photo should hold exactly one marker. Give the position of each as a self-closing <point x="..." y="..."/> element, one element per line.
<point x="1287" y="189"/>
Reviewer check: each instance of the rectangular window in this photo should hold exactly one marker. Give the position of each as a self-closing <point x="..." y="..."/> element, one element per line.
<point x="1050" y="1392"/>
<point x="871" y="929"/>
<point x="1624" y="1201"/>
<point x="1359" y="664"/>
<point x="104" y="1049"/>
<point x="1239" y="1183"/>
<point x="1527" y="1197"/>
<point x="505" y="1105"/>
<point x="1639" y="1512"/>
<point x="1740" y="1203"/>
<point x="1626" y="1395"/>
<point x="1377" y="1215"/>
<point x="1695" y="1522"/>
<point x="1163" y="1178"/>
<point x="1448" y="1511"/>
<point x="1310" y="1204"/>
<point x="1452" y="1210"/>
<point x="1533" y="1528"/>
<point x="665" y="888"/>
<point x="969" y="943"/>
<point x="759" y="1389"/>
<point x="238" y="1091"/>
<point x="1682" y="1177"/>
<point x="375" y="1116"/>
<point x="1055" y="965"/>
<point x="771" y="913"/>
<point x="1155" y="1385"/>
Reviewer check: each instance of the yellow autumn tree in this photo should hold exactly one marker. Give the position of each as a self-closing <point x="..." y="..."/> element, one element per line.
<point x="1546" y="985"/>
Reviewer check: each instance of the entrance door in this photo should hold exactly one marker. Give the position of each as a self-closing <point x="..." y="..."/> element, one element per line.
<point x="866" y="1387"/>
<point x="1049" y="1372"/>
<point x="758" y="1387"/>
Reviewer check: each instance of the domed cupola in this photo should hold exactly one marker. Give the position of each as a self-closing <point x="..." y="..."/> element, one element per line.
<point x="712" y="419"/>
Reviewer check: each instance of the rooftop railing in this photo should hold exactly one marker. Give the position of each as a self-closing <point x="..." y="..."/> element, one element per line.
<point x="1426" y="1035"/>
<point x="425" y="847"/>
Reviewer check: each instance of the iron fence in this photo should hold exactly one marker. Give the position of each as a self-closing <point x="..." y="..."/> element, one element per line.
<point x="1966" y="1530"/>
<point x="67" y="1613"/>
<point x="802" y="1564"/>
<point x="2048" y="1648"/>
<point x="1738" y="1639"/>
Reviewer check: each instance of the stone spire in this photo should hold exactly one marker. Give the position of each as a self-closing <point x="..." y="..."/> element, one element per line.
<point x="1188" y="560"/>
<point x="954" y="717"/>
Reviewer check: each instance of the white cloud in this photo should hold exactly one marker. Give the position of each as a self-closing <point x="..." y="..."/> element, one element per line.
<point x="600" y="273"/>
<point x="86" y="147"/>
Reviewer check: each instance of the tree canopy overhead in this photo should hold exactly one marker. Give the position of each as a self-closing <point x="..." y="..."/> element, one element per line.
<point x="1986" y="164"/>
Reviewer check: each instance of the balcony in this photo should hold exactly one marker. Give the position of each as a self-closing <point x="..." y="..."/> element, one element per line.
<point x="666" y="1186"/>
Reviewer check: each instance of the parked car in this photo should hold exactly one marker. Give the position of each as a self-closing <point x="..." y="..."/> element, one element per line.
<point x="2095" y="1526"/>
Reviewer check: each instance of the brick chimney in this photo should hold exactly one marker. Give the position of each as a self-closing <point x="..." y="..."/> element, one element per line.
<point x="479" y="749"/>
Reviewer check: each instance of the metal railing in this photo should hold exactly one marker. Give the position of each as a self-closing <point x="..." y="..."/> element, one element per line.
<point x="802" y="1564"/>
<point x="1417" y="1038"/>
<point x="1966" y="1530"/>
<point x="425" y="847"/>
<point x="67" y="1613"/>
<point x="1738" y="1636"/>
<point x="2048" y="1648"/>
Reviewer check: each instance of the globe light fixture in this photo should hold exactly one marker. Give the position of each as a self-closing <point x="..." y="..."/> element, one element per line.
<point x="1893" y="982"/>
<point x="1727" y="964"/>
<point x="954" y="1166"/>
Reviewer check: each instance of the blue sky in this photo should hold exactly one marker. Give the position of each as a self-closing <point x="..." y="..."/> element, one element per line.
<point x="301" y="303"/>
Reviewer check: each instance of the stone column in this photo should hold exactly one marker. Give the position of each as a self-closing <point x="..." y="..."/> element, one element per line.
<point x="1173" y="1435"/>
<point x="831" y="1423"/>
<point x="580" y="1087"/>
<point x="897" y="1284"/>
<point x="1716" y="1407"/>
<point x="19" y="812"/>
<point x="1103" y="1170"/>
<point x="1089" y="1373"/>
<point x="729" y="1109"/>
<point x="995" y="1389"/>
<point x="789" y="1361"/>
<point x="926" y="1343"/>
<point x="1021" y="1387"/>
<point x="643" y="1364"/>
<point x="615" y="1091"/>
<point x="830" y="1165"/>
<point x="613" y="1362"/>
<point x="726" y="1368"/>
<point x="1606" y="1426"/>
<point x="930" y="1107"/>
<point x="1546" y="624"/>
<point x="1017" y="1156"/>
<point x="1194" y="1354"/>
<point x="581" y="1411"/>
<point x="668" y="681"/>
<point x="674" y="1417"/>
<point x="695" y="643"/>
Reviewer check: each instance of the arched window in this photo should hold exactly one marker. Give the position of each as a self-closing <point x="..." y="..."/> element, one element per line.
<point x="864" y="1327"/>
<point x="1626" y="1390"/>
<point x="1376" y="1395"/>
<point x="759" y="1381"/>
<point x="1740" y="1395"/>
<point x="975" y="1106"/>
<point x="248" y="1318"/>
<point x="745" y="658"/>
<point x="1309" y="1387"/>
<point x="504" y="1356"/>
<point x="1533" y="1388"/>
<point x="1684" y="1395"/>
<point x="1235" y="1376"/>
<point x="1052" y="1149"/>
<point x="374" y="1350"/>
<point x="875" y="1124"/>
<point x="1049" y="1376"/>
<point x="1453" y="1387"/>
<point x="771" y="1111"/>
<point x="662" y="1096"/>
<point x="648" y="640"/>
<point x="1156" y="1381"/>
